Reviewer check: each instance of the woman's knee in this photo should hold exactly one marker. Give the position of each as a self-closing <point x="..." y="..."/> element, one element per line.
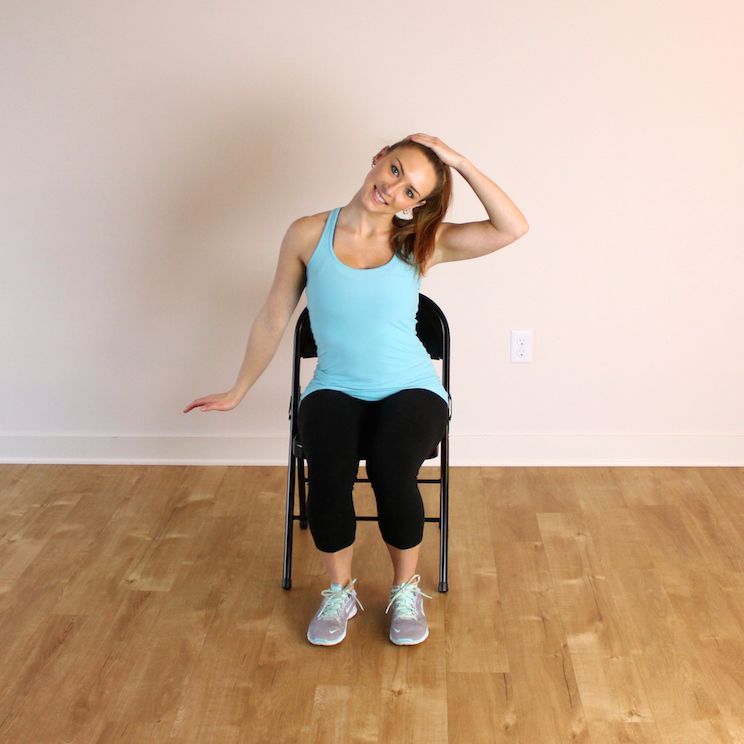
<point x="402" y="525"/>
<point x="331" y="532"/>
<point x="389" y="468"/>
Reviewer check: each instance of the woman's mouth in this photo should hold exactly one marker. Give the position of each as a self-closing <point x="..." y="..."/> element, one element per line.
<point x="378" y="196"/>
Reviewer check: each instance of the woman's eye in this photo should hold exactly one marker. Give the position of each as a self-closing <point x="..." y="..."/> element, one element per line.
<point x="409" y="190"/>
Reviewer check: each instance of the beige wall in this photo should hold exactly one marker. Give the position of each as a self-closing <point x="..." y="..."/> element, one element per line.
<point x="154" y="153"/>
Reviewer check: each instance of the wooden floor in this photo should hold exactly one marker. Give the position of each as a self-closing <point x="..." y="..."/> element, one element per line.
<point x="144" y="604"/>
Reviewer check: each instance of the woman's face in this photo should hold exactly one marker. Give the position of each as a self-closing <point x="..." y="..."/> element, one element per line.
<point x="404" y="177"/>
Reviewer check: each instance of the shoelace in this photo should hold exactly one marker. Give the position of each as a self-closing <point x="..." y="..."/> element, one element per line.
<point x="405" y="597"/>
<point x="336" y="600"/>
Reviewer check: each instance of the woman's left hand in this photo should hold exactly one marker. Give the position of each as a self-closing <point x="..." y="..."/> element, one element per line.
<point x="446" y="154"/>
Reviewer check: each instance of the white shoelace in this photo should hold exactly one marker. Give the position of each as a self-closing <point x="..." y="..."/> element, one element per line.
<point x="336" y="600"/>
<point x="405" y="597"/>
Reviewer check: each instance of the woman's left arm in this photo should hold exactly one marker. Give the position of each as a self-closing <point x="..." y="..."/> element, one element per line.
<point x="506" y="223"/>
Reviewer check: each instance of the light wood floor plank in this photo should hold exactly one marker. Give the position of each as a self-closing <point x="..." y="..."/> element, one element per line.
<point x="481" y="708"/>
<point x="586" y="605"/>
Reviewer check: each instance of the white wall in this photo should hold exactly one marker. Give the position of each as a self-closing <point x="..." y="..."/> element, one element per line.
<point x="154" y="154"/>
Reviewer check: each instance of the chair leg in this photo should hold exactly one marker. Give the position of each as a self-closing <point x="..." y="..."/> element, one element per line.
<point x="302" y="492"/>
<point x="288" y="522"/>
<point x="443" y="519"/>
<point x="443" y="555"/>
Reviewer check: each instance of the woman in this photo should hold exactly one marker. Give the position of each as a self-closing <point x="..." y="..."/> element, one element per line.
<point x="362" y="266"/>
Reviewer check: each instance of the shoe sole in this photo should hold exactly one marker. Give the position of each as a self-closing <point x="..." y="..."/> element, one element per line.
<point x="323" y="642"/>
<point x="409" y="641"/>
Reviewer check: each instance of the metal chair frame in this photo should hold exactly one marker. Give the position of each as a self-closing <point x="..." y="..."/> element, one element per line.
<point x="433" y="331"/>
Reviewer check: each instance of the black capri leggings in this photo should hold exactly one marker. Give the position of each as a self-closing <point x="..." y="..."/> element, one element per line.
<point x="398" y="432"/>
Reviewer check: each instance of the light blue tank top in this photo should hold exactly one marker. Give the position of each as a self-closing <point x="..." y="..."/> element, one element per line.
<point x="364" y="325"/>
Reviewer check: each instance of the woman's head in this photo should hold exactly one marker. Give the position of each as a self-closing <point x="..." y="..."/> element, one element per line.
<point x="411" y="176"/>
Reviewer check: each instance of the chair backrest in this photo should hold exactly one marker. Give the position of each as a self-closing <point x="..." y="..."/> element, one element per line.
<point x="431" y="328"/>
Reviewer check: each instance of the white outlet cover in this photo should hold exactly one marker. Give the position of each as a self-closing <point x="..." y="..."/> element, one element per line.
<point x="521" y="346"/>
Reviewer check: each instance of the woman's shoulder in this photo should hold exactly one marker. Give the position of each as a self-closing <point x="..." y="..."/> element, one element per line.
<point x="311" y="221"/>
<point x="306" y="231"/>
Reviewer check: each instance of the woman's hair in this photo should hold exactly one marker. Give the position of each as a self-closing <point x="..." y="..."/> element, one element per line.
<point x="413" y="240"/>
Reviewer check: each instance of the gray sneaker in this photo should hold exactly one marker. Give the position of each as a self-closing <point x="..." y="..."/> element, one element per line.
<point x="328" y="626"/>
<point x="408" y="625"/>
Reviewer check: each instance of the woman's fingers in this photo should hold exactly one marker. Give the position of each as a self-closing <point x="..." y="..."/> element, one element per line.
<point x="216" y="402"/>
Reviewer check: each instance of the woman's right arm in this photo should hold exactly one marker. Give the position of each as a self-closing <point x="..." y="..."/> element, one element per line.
<point x="270" y="323"/>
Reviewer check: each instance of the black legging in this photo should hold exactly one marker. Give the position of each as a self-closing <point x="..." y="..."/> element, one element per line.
<point x="399" y="432"/>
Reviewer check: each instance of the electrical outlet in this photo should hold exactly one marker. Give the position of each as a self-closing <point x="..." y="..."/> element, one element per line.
<point x="521" y="346"/>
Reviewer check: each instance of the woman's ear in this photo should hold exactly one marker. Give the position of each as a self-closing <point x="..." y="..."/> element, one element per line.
<point x="380" y="154"/>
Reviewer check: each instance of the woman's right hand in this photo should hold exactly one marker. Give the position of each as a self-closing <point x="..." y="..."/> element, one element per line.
<point x="215" y="402"/>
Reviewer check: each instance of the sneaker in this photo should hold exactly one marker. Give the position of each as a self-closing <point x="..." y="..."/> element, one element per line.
<point x="408" y="625"/>
<point x="328" y="626"/>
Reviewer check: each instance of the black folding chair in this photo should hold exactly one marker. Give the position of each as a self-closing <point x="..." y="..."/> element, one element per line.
<point x="433" y="331"/>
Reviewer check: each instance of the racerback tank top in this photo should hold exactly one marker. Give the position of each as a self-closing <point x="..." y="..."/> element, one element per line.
<point x="364" y="325"/>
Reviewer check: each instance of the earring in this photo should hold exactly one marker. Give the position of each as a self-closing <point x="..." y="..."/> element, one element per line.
<point x="405" y="214"/>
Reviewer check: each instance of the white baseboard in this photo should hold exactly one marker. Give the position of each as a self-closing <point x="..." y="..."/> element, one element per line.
<point x="480" y="450"/>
